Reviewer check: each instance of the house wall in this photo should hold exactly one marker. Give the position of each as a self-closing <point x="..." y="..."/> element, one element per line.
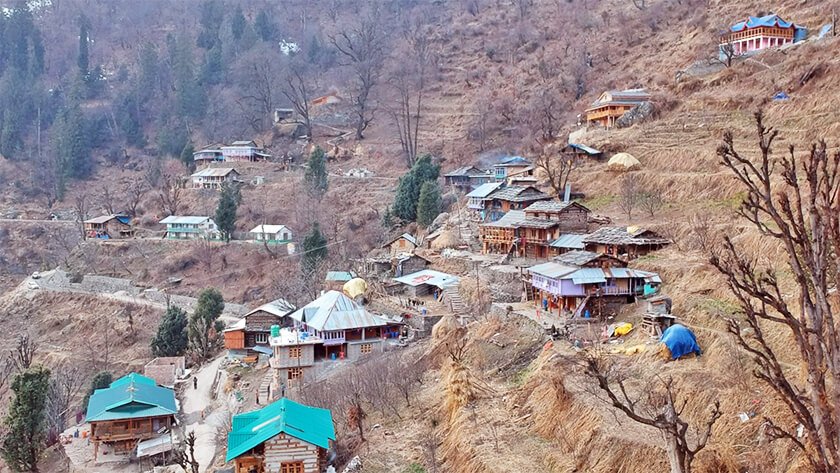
<point x="114" y="227"/>
<point x="261" y="321"/>
<point x="284" y="448"/>
<point x="401" y="246"/>
<point x="414" y="264"/>
<point x="569" y="288"/>
<point x="234" y="340"/>
<point x="283" y="360"/>
<point x="354" y="349"/>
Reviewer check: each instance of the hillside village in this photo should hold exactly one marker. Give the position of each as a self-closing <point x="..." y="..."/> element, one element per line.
<point x="633" y="274"/>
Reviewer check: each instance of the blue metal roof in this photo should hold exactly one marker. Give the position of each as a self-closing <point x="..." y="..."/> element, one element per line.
<point x="513" y="161"/>
<point x="584" y="148"/>
<point x="552" y="270"/>
<point x="309" y="424"/>
<point x="770" y="20"/>
<point x="131" y="396"/>
<point x="484" y="190"/>
<point x="572" y="241"/>
<point x="587" y="276"/>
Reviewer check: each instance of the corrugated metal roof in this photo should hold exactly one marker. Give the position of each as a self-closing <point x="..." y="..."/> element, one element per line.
<point x="466" y="171"/>
<point x="621" y="97"/>
<point x="584" y="148"/>
<point x="107" y="218"/>
<point x="339" y="276"/>
<point x="129" y="397"/>
<point x="278" y="307"/>
<point x="430" y="277"/>
<point x="335" y="311"/>
<point x="243" y="143"/>
<point x="587" y="276"/>
<point x="569" y="241"/>
<point x="309" y="424"/>
<point x="185" y="219"/>
<point x="485" y="189"/>
<point x="552" y="270"/>
<point x="513" y="161"/>
<point x="214" y="172"/>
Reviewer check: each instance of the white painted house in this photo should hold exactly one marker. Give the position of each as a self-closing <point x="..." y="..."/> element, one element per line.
<point x="271" y="234"/>
<point x="189" y="227"/>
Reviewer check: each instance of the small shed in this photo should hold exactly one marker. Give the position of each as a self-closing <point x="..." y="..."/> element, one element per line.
<point x="583" y="151"/>
<point x="273" y="234"/>
<point x="426" y="281"/>
<point x="165" y="370"/>
<point x="335" y="280"/>
<point x="405" y="243"/>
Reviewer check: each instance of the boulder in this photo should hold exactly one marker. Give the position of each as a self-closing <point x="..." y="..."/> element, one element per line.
<point x="637" y="114"/>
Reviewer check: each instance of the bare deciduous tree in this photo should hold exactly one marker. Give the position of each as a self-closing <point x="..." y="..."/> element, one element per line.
<point x="656" y="406"/>
<point x="363" y="46"/>
<point x="24" y="353"/>
<point x="298" y="88"/>
<point x="170" y="193"/>
<point x="651" y="201"/>
<point x="557" y="168"/>
<point x="409" y="80"/>
<point x="106" y="198"/>
<point x="796" y="202"/>
<point x="65" y="384"/>
<point x="184" y="455"/>
<point x="628" y="195"/>
<point x="136" y="191"/>
<point x="80" y="205"/>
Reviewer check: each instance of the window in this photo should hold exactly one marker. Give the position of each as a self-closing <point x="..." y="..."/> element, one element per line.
<point x="366" y="348"/>
<point x="295" y="373"/>
<point x="294" y="352"/>
<point x="291" y="467"/>
<point x="261" y="338"/>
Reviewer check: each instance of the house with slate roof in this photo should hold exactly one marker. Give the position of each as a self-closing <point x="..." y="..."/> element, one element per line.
<point x="282" y="437"/>
<point x="467" y="178"/>
<point x="624" y="242"/>
<point x="132" y="409"/>
<point x="107" y="227"/>
<point x="762" y="32"/>
<point x="249" y="335"/>
<point x="505" y="199"/>
<point x="533" y="230"/>
<point x="612" y="104"/>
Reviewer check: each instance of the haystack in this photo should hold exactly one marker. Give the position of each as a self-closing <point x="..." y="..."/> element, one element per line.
<point x="447" y="239"/>
<point x="623" y="162"/>
<point x="446" y="325"/>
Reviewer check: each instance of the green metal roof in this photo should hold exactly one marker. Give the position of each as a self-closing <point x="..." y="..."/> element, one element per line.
<point x="130" y="397"/>
<point x="310" y="424"/>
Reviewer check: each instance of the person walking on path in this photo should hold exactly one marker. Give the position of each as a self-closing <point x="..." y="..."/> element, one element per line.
<point x="195" y="382"/>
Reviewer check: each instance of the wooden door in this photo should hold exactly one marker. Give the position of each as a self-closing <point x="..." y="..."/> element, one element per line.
<point x="291" y="467"/>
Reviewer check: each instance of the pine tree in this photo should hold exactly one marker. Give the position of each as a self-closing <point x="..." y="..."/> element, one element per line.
<point x="226" y="211"/>
<point x="428" y="205"/>
<point x="84" y="53"/>
<point x="25" y="423"/>
<point x="213" y="70"/>
<point x="316" y="173"/>
<point x="171" y="337"/>
<point x="408" y="189"/>
<point x="101" y="380"/>
<point x="237" y="23"/>
<point x="315" y="250"/>
<point x="187" y="156"/>
<point x="72" y="142"/>
<point x="264" y="26"/>
<point x="204" y="321"/>
<point x="129" y="120"/>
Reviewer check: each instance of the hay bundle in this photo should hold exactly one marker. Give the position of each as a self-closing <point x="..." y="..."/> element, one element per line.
<point x="458" y="386"/>
<point x="447" y="239"/>
<point x="446" y="325"/>
<point x="623" y="162"/>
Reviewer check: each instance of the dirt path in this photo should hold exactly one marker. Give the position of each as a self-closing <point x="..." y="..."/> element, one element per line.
<point x="203" y="414"/>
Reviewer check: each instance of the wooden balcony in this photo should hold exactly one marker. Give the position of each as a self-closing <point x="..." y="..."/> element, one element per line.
<point x="752" y="33"/>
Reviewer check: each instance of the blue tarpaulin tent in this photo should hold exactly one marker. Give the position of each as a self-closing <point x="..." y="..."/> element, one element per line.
<point x="680" y="340"/>
<point x="781" y="96"/>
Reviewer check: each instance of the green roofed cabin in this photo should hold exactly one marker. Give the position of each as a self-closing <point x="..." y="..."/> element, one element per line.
<point x="282" y="437"/>
<point x="132" y="409"/>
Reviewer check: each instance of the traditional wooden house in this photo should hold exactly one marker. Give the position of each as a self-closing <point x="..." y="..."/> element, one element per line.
<point x="510" y="166"/>
<point x="189" y="227"/>
<point x="408" y="263"/>
<point x="404" y="243"/>
<point x="534" y="230"/>
<point x="567" y="289"/>
<point x="612" y="104"/>
<point x="588" y="259"/>
<point x="243" y="151"/>
<point x="214" y="178"/>
<point x="505" y="199"/>
<point x="333" y="326"/>
<point x="757" y="33"/>
<point x="477" y="199"/>
<point x="249" y="335"/>
<point x="625" y="243"/>
<point x="107" y="227"/>
<point x="467" y="178"/>
<point x="271" y="234"/>
<point x="132" y="409"/>
<point x="282" y="437"/>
